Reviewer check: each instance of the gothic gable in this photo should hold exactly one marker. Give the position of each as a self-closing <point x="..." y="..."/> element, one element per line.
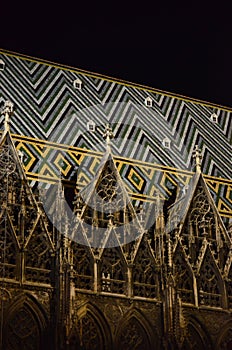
<point x="105" y="201"/>
<point x="195" y="217"/>
<point x="26" y="245"/>
<point x="15" y="194"/>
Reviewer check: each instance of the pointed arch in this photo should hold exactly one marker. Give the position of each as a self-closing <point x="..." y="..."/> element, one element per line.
<point x="224" y="341"/>
<point x="38" y="256"/>
<point x="197" y="338"/>
<point x="145" y="276"/>
<point x="184" y="276"/>
<point x="25" y="325"/>
<point x="135" y="333"/>
<point x="211" y="288"/>
<point x="91" y="331"/>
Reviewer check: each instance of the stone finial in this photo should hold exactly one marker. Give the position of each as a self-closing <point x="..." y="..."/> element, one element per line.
<point x="7" y="111"/>
<point x="198" y="157"/>
<point x="108" y="134"/>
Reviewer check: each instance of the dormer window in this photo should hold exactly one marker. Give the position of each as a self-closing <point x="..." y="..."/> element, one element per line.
<point x="91" y="126"/>
<point x="214" y="118"/>
<point x="2" y="65"/>
<point x="166" y="142"/>
<point x="148" y="101"/>
<point x="77" y="84"/>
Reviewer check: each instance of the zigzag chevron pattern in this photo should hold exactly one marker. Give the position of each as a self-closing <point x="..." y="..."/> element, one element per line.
<point x="48" y="107"/>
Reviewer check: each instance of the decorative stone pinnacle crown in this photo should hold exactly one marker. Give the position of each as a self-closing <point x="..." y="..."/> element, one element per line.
<point x="198" y="158"/>
<point x="8" y="107"/>
<point x="7" y="111"/>
<point x="108" y="134"/>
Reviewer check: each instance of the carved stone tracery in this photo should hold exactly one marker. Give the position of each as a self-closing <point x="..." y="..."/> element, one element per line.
<point x="8" y="251"/>
<point x="194" y="340"/>
<point x="201" y="215"/>
<point x="82" y="266"/>
<point x="22" y="331"/>
<point x="112" y="271"/>
<point x="133" y="336"/>
<point x="38" y="258"/>
<point x="145" y="278"/>
<point x="89" y="333"/>
<point x="183" y="277"/>
<point x="209" y="284"/>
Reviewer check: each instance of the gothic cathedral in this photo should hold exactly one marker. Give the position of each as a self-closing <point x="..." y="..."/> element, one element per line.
<point x="110" y="275"/>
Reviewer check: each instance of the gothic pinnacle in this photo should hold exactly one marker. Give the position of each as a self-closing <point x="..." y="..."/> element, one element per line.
<point x="198" y="157"/>
<point x="108" y="135"/>
<point x="7" y="112"/>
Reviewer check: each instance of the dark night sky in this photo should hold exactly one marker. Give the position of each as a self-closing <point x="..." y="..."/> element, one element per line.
<point x="184" y="48"/>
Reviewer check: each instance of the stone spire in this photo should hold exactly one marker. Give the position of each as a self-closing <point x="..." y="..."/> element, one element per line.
<point x="7" y="112"/>
<point x="198" y="157"/>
